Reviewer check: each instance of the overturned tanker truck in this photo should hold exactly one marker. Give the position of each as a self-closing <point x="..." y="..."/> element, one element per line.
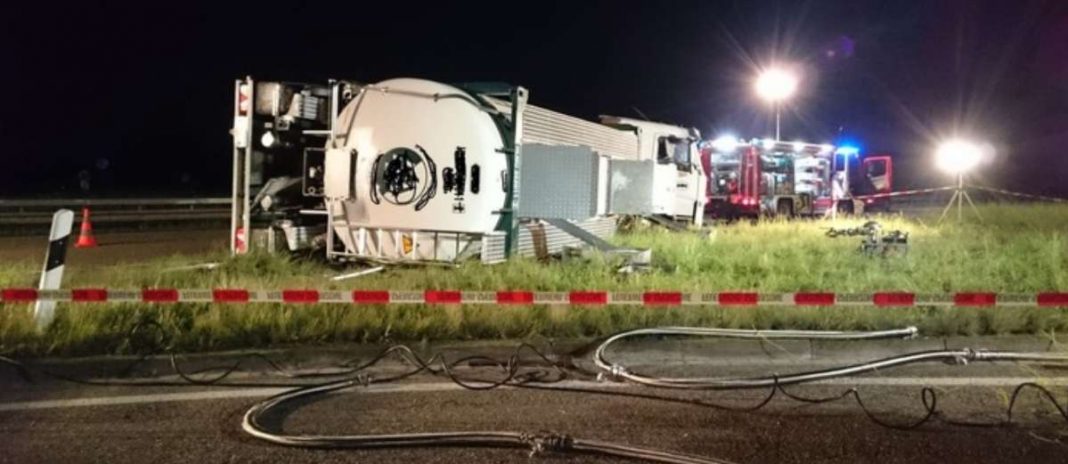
<point x="415" y="170"/>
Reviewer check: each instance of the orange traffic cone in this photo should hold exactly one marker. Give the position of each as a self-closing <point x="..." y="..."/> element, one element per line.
<point x="85" y="237"/>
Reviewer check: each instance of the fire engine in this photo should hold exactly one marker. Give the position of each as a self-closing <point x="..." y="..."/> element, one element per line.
<point x="777" y="178"/>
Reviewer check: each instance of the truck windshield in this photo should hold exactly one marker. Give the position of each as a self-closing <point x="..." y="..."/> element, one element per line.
<point x="674" y="150"/>
<point x="725" y="172"/>
<point x="876" y="168"/>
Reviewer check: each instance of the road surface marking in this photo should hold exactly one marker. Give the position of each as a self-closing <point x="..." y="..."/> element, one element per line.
<point x="945" y="381"/>
<point x="138" y="399"/>
<point x="449" y="386"/>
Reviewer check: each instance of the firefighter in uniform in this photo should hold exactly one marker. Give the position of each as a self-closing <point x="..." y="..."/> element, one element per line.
<point x="838" y="193"/>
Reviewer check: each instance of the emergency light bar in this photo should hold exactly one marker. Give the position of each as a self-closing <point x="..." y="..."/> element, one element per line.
<point x="728" y="144"/>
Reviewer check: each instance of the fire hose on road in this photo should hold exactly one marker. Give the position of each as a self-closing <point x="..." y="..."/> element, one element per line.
<point x="542" y="373"/>
<point x="961" y="356"/>
<point x="516" y="377"/>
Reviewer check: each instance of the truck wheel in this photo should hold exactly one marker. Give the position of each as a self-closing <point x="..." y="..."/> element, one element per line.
<point x="845" y="207"/>
<point x="731" y="213"/>
<point x="784" y="208"/>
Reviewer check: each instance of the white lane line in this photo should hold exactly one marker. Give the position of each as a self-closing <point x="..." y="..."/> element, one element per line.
<point x="947" y="381"/>
<point x="137" y="399"/>
<point x="225" y="394"/>
<point x="448" y="386"/>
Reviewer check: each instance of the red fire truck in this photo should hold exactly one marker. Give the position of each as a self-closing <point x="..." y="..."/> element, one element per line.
<point x="777" y="178"/>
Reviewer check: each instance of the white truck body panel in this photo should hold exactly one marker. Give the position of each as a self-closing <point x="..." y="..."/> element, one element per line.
<point x="392" y="183"/>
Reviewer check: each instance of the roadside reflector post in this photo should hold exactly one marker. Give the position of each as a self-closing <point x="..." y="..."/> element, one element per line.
<point x="44" y="311"/>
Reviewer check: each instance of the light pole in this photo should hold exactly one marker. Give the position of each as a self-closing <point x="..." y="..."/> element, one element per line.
<point x="958" y="157"/>
<point x="775" y="86"/>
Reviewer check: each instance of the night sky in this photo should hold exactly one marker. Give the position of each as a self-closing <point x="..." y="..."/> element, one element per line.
<point x="137" y="100"/>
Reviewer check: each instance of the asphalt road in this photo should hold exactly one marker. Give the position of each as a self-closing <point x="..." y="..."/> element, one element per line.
<point x="53" y="421"/>
<point x="117" y="247"/>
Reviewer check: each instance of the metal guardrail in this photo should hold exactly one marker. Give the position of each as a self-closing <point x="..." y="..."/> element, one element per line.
<point x="16" y="213"/>
<point x="69" y="202"/>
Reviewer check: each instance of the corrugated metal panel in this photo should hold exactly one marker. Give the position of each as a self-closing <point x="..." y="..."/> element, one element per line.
<point x="549" y="127"/>
<point x="493" y="248"/>
<point x="557" y="239"/>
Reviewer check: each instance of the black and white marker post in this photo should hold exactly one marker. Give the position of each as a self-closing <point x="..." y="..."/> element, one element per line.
<point x="52" y="274"/>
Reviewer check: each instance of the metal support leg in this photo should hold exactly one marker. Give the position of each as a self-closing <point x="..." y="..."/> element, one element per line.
<point x="949" y="205"/>
<point x="958" y="198"/>
<point x="329" y="230"/>
<point x="960" y="205"/>
<point x="515" y="163"/>
<point x="974" y="209"/>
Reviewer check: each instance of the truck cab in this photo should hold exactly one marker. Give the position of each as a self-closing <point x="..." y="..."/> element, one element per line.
<point x="679" y="180"/>
<point x="877" y="178"/>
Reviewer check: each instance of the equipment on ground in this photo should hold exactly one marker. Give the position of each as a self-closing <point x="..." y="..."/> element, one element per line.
<point x="777" y="178"/>
<point x="415" y="170"/>
<point x="875" y="242"/>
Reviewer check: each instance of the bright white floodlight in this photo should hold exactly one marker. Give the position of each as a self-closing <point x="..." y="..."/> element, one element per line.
<point x="776" y="85"/>
<point x="958" y="156"/>
<point x="725" y="143"/>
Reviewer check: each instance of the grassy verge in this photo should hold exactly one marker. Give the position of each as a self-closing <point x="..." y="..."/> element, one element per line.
<point x="1016" y="249"/>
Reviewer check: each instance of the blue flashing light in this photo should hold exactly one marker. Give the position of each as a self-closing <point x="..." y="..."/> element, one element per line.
<point x="848" y="150"/>
<point x="848" y="146"/>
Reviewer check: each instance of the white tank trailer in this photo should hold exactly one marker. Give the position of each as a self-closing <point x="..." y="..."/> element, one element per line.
<point x="416" y="170"/>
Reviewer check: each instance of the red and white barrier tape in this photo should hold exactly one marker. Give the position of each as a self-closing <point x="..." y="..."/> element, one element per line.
<point x="942" y="189"/>
<point x="903" y="193"/>
<point x="1018" y="194"/>
<point x="512" y="297"/>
